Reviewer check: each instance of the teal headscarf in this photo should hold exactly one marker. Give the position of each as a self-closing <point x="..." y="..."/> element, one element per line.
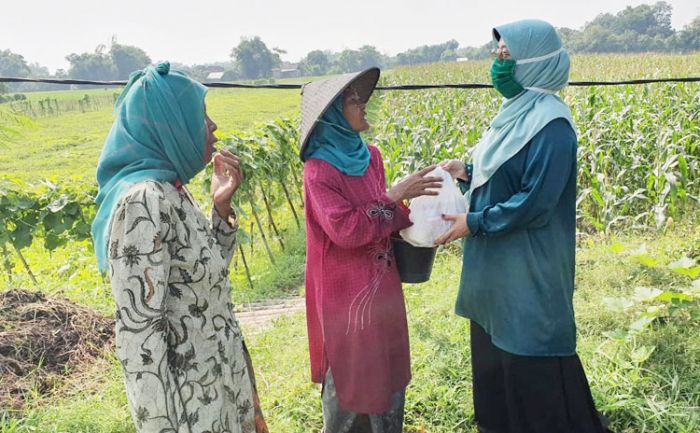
<point x="158" y="134"/>
<point x="542" y="68"/>
<point x="334" y="141"/>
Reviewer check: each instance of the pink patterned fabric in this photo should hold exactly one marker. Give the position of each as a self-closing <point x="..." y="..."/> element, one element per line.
<point x="356" y="315"/>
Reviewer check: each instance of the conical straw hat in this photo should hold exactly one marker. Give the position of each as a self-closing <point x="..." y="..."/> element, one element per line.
<point x="318" y="96"/>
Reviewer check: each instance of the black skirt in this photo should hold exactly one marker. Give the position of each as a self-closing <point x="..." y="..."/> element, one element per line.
<point x="529" y="394"/>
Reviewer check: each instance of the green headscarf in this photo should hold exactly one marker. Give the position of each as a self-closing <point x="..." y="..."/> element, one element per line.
<point x="158" y="134"/>
<point x="542" y="68"/>
<point x="334" y="141"/>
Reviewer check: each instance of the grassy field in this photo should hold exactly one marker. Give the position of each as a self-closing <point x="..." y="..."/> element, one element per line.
<point x="68" y="145"/>
<point x="637" y="286"/>
<point x="645" y="382"/>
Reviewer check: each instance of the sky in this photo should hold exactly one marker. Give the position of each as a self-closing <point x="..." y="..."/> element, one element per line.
<point x="201" y="31"/>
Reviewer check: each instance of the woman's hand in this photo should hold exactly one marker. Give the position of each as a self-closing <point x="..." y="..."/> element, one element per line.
<point x="456" y="168"/>
<point x="458" y="230"/>
<point x="225" y="180"/>
<point x="415" y="185"/>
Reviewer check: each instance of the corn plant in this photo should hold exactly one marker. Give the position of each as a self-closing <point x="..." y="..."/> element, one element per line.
<point x="639" y="156"/>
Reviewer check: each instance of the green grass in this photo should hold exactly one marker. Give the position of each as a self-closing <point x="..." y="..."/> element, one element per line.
<point x="661" y="394"/>
<point x="69" y="144"/>
<point x="658" y="394"/>
<point x="71" y="95"/>
<point x="93" y="402"/>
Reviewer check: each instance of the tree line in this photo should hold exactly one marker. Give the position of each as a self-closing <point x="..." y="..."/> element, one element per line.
<point x="643" y="28"/>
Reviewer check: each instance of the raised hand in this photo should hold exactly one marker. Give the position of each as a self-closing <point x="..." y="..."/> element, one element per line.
<point x="458" y="230"/>
<point x="225" y="180"/>
<point x="455" y="167"/>
<point x="415" y="185"/>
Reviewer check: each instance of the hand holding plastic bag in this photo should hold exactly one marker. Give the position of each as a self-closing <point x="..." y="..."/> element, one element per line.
<point x="427" y="211"/>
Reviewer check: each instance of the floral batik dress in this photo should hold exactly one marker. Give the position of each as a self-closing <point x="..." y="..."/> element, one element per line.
<point x="186" y="367"/>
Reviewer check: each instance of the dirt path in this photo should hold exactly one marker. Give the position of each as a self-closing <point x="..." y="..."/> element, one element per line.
<point x="259" y="316"/>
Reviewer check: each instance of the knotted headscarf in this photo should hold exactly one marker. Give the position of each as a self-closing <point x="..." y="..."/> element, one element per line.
<point x="158" y="134"/>
<point x="542" y="68"/>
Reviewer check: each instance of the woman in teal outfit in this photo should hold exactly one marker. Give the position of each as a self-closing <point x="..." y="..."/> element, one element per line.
<point x="519" y="256"/>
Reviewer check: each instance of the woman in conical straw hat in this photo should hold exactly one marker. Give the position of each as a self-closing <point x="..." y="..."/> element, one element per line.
<point x="358" y="336"/>
<point x="186" y="368"/>
<point x="518" y="272"/>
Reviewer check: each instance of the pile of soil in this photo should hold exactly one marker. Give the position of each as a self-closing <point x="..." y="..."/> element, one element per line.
<point x="43" y="341"/>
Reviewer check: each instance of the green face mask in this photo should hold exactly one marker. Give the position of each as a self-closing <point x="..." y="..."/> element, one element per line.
<point x="503" y="78"/>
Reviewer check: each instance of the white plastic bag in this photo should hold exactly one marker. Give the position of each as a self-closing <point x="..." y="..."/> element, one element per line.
<point x="426" y="212"/>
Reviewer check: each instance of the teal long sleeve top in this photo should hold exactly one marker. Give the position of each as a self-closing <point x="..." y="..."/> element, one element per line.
<point x="519" y="261"/>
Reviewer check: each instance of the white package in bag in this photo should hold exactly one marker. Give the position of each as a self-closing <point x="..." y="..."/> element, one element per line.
<point x="427" y="211"/>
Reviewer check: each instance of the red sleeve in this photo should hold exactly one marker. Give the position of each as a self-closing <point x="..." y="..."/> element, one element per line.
<point x="346" y="224"/>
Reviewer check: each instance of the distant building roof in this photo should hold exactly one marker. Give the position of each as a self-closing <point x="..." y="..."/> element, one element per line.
<point x="215" y="75"/>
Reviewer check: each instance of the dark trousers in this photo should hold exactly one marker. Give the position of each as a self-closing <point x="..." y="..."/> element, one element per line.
<point x="339" y="420"/>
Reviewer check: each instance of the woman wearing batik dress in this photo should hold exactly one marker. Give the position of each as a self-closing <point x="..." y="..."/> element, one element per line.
<point x="358" y="336"/>
<point x="186" y="367"/>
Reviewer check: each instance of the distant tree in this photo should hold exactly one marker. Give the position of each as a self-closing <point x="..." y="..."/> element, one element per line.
<point x="650" y="20"/>
<point x="596" y="38"/>
<point x="231" y="75"/>
<point x="316" y="63"/>
<point x="477" y="53"/>
<point x="13" y="65"/>
<point x="368" y="57"/>
<point x="38" y="71"/>
<point x="569" y="37"/>
<point x="688" y="39"/>
<point x="127" y="59"/>
<point x="448" y="56"/>
<point x="428" y="53"/>
<point x="92" y="66"/>
<point x="347" y="61"/>
<point x="254" y="59"/>
<point x="641" y="28"/>
<point x="634" y="29"/>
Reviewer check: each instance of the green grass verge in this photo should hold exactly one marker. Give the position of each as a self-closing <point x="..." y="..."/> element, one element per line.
<point x="68" y="145"/>
<point x="641" y="391"/>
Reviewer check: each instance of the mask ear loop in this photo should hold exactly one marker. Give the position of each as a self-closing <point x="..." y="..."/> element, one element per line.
<point x="540" y="58"/>
<point x="540" y="90"/>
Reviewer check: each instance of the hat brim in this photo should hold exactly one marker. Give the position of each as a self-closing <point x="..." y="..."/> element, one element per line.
<point x="364" y="82"/>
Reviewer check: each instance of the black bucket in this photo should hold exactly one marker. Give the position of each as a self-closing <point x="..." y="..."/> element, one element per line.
<point x="415" y="263"/>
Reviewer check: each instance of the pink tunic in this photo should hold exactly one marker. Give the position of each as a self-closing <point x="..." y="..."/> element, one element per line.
<point x="356" y="315"/>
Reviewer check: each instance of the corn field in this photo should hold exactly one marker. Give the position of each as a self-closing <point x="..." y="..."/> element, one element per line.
<point x="639" y="146"/>
<point x="639" y="151"/>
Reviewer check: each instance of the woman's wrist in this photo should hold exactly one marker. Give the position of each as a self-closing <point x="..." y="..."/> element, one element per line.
<point x="394" y="196"/>
<point x="224" y="210"/>
<point x="466" y="174"/>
